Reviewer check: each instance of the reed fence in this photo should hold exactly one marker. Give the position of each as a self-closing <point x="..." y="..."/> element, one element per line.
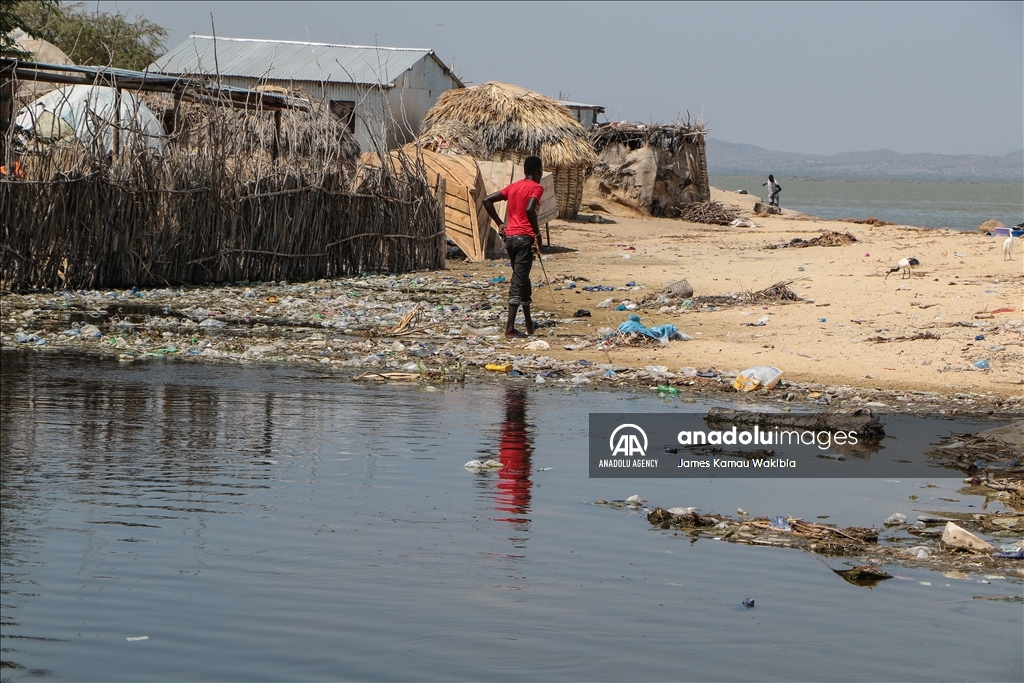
<point x="231" y="197"/>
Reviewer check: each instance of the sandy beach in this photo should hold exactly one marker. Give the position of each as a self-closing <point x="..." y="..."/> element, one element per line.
<point x="826" y="339"/>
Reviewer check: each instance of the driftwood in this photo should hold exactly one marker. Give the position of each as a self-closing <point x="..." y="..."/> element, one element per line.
<point x="859" y="420"/>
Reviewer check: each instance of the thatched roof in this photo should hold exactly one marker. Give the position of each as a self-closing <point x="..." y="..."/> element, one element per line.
<point x="452" y="137"/>
<point x="512" y="119"/>
<point x="667" y="137"/>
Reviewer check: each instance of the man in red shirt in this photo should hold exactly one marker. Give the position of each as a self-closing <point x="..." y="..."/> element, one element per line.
<point x="522" y="238"/>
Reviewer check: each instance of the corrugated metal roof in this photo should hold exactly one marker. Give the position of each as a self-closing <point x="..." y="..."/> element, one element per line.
<point x="286" y="60"/>
<point x="580" y="105"/>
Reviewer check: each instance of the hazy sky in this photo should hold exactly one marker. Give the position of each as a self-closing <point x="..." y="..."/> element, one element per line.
<point x="797" y="77"/>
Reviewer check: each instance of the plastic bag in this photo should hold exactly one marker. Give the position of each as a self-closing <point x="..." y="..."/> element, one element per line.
<point x="761" y="376"/>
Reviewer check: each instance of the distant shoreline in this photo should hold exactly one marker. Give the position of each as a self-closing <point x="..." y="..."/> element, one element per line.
<point x="728" y="158"/>
<point x="872" y="179"/>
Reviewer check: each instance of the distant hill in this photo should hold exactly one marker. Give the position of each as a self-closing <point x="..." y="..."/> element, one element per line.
<point x="729" y="158"/>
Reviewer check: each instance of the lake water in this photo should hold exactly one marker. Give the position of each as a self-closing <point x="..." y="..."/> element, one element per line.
<point x="271" y="523"/>
<point x="961" y="206"/>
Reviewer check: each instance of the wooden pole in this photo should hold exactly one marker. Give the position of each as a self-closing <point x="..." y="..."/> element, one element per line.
<point x="117" y="121"/>
<point x="277" y="134"/>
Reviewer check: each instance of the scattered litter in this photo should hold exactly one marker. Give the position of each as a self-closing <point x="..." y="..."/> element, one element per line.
<point x="957" y="538"/>
<point x="761" y="376"/>
<point x="539" y="345"/>
<point x="498" y="367"/>
<point x="780" y="523"/>
<point x="481" y="465"/>
<point x="981" y="364"/>
<point x="660" y="332"/>
<point x="748" y="602"/>
<point x="581" y="313"/>
<point x="134" y="638"/>
<point x="598" y="288"/>
<point x="895" y="519"/>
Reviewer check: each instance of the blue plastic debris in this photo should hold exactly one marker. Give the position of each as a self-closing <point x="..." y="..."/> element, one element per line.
<point x="500" y="278"/>
<point x="659" y="332"/>
<point x="620" y="307"/>
<point x="979" y="337"/>
<point x="748" y="602"/>
<point x="597" y="288"/>
<point x="981" y="364"/>
<point x="1010" y="555"/>
<point x="780" y="523"/>
<point x="631" y="284"/>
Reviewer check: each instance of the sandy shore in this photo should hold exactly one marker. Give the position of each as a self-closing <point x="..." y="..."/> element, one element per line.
<point x="828" y="341"/>
<point x="961" y="279"/>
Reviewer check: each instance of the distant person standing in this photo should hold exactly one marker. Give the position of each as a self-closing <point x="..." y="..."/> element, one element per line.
<point x="773" y="190"/>
<point x="522" y="238"/>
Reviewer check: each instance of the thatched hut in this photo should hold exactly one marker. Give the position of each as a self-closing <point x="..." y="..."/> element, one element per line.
<point x="653" y="169"/>
<point x="512" y="123"/>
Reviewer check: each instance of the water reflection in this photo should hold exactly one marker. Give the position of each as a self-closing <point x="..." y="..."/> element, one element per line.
<point x="515" y="450"/>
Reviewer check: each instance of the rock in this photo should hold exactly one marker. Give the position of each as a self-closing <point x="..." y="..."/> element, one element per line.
<point x="959" y="539"/>
<point x="773" y="210"/>
<point x="680" y="289"/>
<point x="759" y="207"/>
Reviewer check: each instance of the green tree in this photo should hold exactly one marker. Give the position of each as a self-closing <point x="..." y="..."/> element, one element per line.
<point x="93" y="38"/>
<point x="23" y="15"/>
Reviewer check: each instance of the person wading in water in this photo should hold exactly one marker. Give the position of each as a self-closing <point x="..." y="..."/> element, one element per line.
<point x="522" y="238"/>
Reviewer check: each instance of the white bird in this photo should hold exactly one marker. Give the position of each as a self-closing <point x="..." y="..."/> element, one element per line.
<point x="1008" y="248"/>
<point x="905" y="264"/>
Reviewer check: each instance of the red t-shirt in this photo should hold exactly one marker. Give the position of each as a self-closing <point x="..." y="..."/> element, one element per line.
<point x="518" y="195"/>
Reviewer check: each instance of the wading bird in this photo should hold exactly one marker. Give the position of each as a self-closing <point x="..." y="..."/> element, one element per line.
<point x="905" y="264"/>
<point x="1008" y="248"/>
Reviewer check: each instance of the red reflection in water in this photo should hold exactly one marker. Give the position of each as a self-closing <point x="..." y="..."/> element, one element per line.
<point x="515" y="450"/>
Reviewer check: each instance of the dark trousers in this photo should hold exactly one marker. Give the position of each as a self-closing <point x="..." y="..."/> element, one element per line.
<point x="520" y="253"/>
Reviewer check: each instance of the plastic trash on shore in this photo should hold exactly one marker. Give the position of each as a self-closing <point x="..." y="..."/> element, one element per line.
<point x="478" y="332"/>
<point x="496" y="367"/>
<point x="666" y="332"/>
<point x="895" y="519"/>
<point x="757" y="377"/>
<point x="780" y="524"/>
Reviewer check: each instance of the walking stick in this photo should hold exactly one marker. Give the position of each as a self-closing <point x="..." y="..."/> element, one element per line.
<point x="547" y="282"/>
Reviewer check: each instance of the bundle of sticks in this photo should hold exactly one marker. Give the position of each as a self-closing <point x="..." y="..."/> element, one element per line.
<point x="712" y="213"/>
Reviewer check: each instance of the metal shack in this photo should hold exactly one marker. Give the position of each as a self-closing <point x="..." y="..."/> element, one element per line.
<point x="382" y="92"/>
